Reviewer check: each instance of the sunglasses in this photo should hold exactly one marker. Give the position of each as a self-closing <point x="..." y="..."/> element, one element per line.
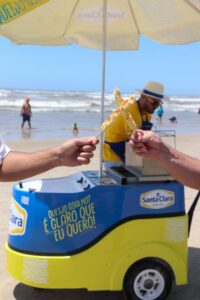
<point x="154" y="102"/>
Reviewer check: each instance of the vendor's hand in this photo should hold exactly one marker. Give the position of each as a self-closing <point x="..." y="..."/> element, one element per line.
<point x="77" y="152"/>
<point x="146" y="143"/>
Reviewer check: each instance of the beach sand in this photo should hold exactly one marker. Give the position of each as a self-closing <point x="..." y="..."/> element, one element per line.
<point x="11" y="289"/>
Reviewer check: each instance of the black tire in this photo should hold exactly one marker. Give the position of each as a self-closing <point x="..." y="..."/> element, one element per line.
<point x="148" y="280"/>
<point x="39" y="289"/>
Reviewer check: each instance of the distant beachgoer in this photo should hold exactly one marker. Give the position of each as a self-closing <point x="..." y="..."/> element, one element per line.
<point x="26" y="112"/>
<point x="199" y="111"/>
<point x="159" y="114"/>
<point x="75" y="129"/>
<point x="173" y="119"/>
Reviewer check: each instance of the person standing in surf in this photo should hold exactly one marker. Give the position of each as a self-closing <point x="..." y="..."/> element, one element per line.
<point x="26" y="112"/>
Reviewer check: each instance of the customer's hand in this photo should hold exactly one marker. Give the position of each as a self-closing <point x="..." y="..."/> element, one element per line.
<point x="76" y="151"/>
<point x="146" y="144"/>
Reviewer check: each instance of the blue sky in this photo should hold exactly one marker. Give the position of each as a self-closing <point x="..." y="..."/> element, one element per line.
<point x="72" y="68"/>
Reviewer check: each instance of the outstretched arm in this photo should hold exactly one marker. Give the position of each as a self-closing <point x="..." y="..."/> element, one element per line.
<point x="20" y="165"/>
<point x="183" y="168"/>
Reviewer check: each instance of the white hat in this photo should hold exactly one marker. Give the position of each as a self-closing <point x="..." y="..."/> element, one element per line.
<point x="154" y="89"/>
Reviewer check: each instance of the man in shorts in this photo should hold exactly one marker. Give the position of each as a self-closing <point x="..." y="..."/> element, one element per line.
<point x="26" y="112"/>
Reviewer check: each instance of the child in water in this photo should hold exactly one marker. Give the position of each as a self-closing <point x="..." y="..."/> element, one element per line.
<point x="75" y="129"/>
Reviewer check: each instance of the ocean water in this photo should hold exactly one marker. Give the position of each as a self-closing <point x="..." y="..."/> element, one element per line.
<point x="54" y="113"/>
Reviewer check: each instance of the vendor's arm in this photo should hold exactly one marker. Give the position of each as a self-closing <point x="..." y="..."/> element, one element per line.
<point x="19" y="165"/>
<point x="183" y="168"/>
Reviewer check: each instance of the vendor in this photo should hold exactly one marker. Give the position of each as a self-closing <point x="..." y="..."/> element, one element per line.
<point x="141" y="111"/>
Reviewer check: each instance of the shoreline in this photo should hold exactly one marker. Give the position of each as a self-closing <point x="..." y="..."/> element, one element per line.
<point x="12" y="290"/>
<point x="58" y="125"/>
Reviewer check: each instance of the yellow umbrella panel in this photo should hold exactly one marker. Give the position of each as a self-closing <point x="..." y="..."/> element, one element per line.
<point x="59" y="22"/>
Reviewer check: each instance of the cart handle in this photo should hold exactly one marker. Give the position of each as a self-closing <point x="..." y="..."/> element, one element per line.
<point x="191" y="211"/>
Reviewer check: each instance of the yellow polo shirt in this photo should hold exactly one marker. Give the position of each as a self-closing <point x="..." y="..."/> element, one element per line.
<point x="119" y="131"/>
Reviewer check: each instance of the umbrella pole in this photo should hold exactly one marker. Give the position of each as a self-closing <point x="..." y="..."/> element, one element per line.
<point x="103" y="80"/>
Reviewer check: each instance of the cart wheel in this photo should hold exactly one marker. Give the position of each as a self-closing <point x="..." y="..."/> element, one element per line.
<point x="39" y="289"/>
<point x="147" y="280"/>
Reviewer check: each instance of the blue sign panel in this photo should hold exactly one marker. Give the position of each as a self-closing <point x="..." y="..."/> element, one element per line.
<point x="66" y="223"/>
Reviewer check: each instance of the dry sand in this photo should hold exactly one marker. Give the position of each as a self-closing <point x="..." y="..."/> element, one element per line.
<point x="11" y="289"/>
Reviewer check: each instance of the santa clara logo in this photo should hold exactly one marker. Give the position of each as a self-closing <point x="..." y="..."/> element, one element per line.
<point x="157" y="199"/>
<point x="17" y="220"/>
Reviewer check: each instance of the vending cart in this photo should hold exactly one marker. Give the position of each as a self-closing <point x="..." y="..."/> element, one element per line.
<point x="127" y="230"/>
